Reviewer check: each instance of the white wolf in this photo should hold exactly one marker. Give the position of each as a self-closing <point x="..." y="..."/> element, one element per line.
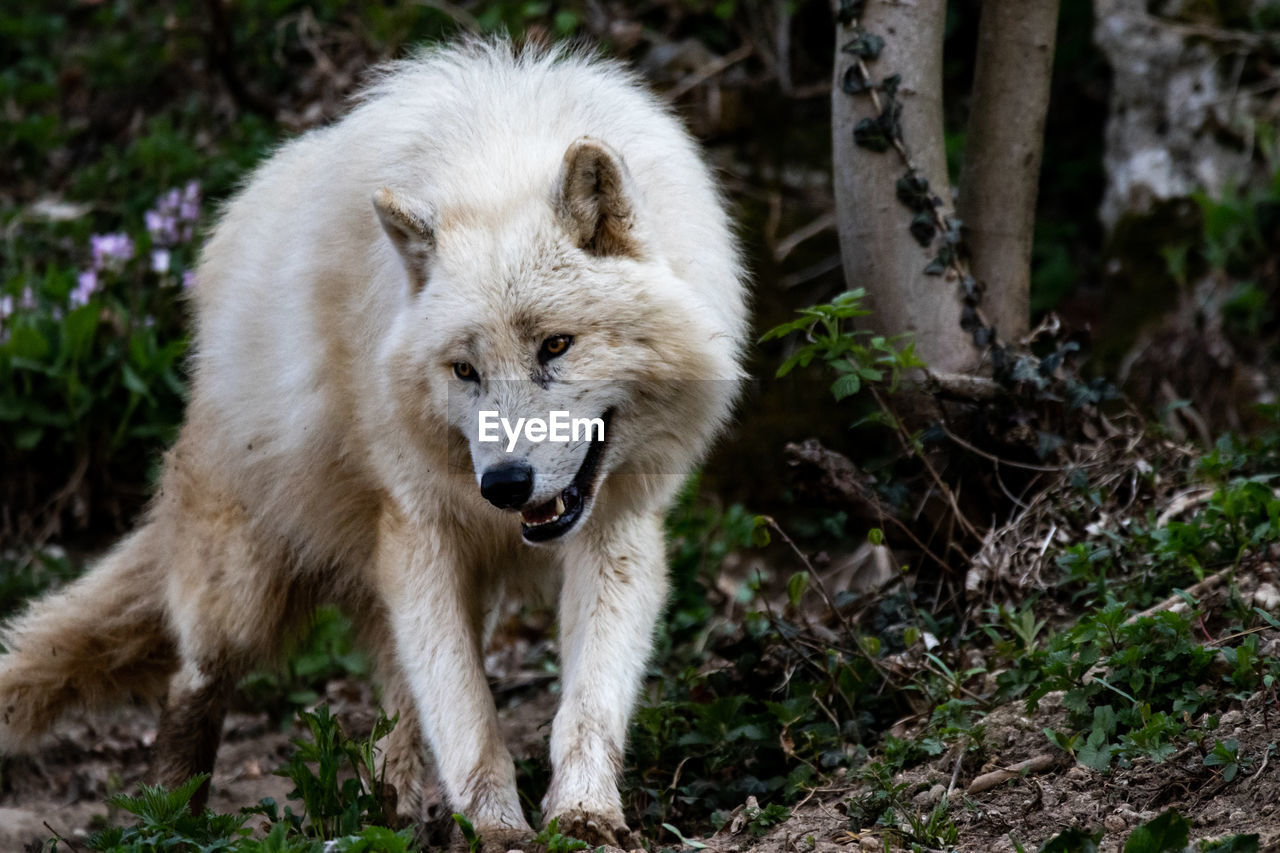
<point x="487" y="230"/>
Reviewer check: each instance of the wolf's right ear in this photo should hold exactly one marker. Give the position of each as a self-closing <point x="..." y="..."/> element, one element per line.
<point x="595" y="202"/>
<point x="410" y="228"/>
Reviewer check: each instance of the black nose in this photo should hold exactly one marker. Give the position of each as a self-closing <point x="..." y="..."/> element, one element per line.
<point x="507" y="486"/>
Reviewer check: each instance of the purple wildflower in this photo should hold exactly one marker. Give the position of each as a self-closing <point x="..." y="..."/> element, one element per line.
<point x="86" y="286"/>
<point x="162" y="227"/>
<point x="189" y="209"/>
<point x="173" y="218"/>
<point x="188" y="279"/>
<point x="111" y="250"/>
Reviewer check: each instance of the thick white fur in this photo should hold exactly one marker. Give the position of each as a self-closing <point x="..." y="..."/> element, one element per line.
<point x="320" y="458"/>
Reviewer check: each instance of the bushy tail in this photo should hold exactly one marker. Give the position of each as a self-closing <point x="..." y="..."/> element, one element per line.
<point x="98" y="641"/>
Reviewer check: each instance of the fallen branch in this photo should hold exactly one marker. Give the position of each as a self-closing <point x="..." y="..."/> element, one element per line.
<point x="987" y="781"/>
<point x="1179" y="598"/>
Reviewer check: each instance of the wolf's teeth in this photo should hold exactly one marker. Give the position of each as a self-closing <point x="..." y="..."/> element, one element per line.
<point x="559" y="506"/>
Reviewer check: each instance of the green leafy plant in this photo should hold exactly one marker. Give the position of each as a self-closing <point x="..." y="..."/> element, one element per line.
<point x="887" y="804"/>
<point x="1226" y="755"/>
<point x="165" y="822"/>
<point x="856" y="355"/>
<point x="1130" y="686"/>
<point x="761" y="819"/>
<point x="1168" y="832"/>
<point x="336" y="806"/>
<point x="1074" y="840"/>
<point x="343" y="806"/>
<point x="555" y="842"/>
<point x="469" y="835"/>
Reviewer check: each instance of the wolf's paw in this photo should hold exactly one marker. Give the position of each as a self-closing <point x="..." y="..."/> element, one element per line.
<point x="597" y="830"/>
<point x="498" y="841"/>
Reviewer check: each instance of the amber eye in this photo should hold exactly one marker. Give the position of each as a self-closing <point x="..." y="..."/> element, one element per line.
<point x="554" y="347"/>
<point x="465" y="372"/>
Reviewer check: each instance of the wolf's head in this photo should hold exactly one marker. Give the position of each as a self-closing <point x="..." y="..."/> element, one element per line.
<point x="549" y="340"/>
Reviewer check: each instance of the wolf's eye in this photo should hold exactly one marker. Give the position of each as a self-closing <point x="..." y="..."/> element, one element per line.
<point x="554" y="347"/>
<point x="465" y="372"/>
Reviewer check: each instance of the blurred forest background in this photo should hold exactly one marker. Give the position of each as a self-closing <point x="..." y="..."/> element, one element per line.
<point x="885" y="591"/>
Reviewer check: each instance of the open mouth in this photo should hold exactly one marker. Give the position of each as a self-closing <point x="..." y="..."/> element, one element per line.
<point x="557" y="516"/>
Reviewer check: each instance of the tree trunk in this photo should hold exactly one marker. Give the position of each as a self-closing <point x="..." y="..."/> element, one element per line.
<point x="878" y="250"/>
<point x="1003" y="148"/>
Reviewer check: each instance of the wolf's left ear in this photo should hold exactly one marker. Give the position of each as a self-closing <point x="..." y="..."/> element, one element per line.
<point x="410" y="228"/>
<point x="596" y="200"/>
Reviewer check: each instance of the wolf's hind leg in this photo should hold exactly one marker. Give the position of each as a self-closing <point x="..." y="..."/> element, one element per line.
<point x="233" y="602"/>
<point x="190" y="729"/>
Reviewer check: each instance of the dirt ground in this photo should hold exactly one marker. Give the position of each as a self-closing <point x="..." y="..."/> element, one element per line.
<point x="63" y="788"/>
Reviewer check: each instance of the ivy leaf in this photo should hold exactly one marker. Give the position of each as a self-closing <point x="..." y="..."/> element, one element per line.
<point x="891" y="118"/>
<point x="850" y="11"/>
<point x="880" y="132"/>
<point x="869" y="133"/>
<point x="1047" y="443"/>
<point x="923" y="229"/>
<point x="853" y="83"/>
<point x="890" y="84"/>
<point x="941" y="261"/>
<point x="1053" y="361"/>
<point x="913" y="191"/>
<point x="1025" y="369"/>
<point x="865" y="45"/>
<point x="953" y="226"/>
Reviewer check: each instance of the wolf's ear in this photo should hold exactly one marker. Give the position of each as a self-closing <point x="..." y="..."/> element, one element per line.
<point x="595" y="201"/>
<point x="410" y="228"/>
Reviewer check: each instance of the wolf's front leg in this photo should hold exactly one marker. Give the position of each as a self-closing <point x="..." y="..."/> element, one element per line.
<point x="436" y="609"/>
<point x="614" y="588"/>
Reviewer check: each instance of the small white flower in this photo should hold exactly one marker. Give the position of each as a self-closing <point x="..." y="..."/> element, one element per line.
<point x="160" y="260"/>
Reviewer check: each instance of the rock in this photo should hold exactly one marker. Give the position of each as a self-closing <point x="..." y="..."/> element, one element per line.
<point x="19" y="827"/>
<point x="1267" y="596"/>
<point x="1178" y="120"/>
<point x="1115" y="823"/>
<point x="930" y="797"/>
